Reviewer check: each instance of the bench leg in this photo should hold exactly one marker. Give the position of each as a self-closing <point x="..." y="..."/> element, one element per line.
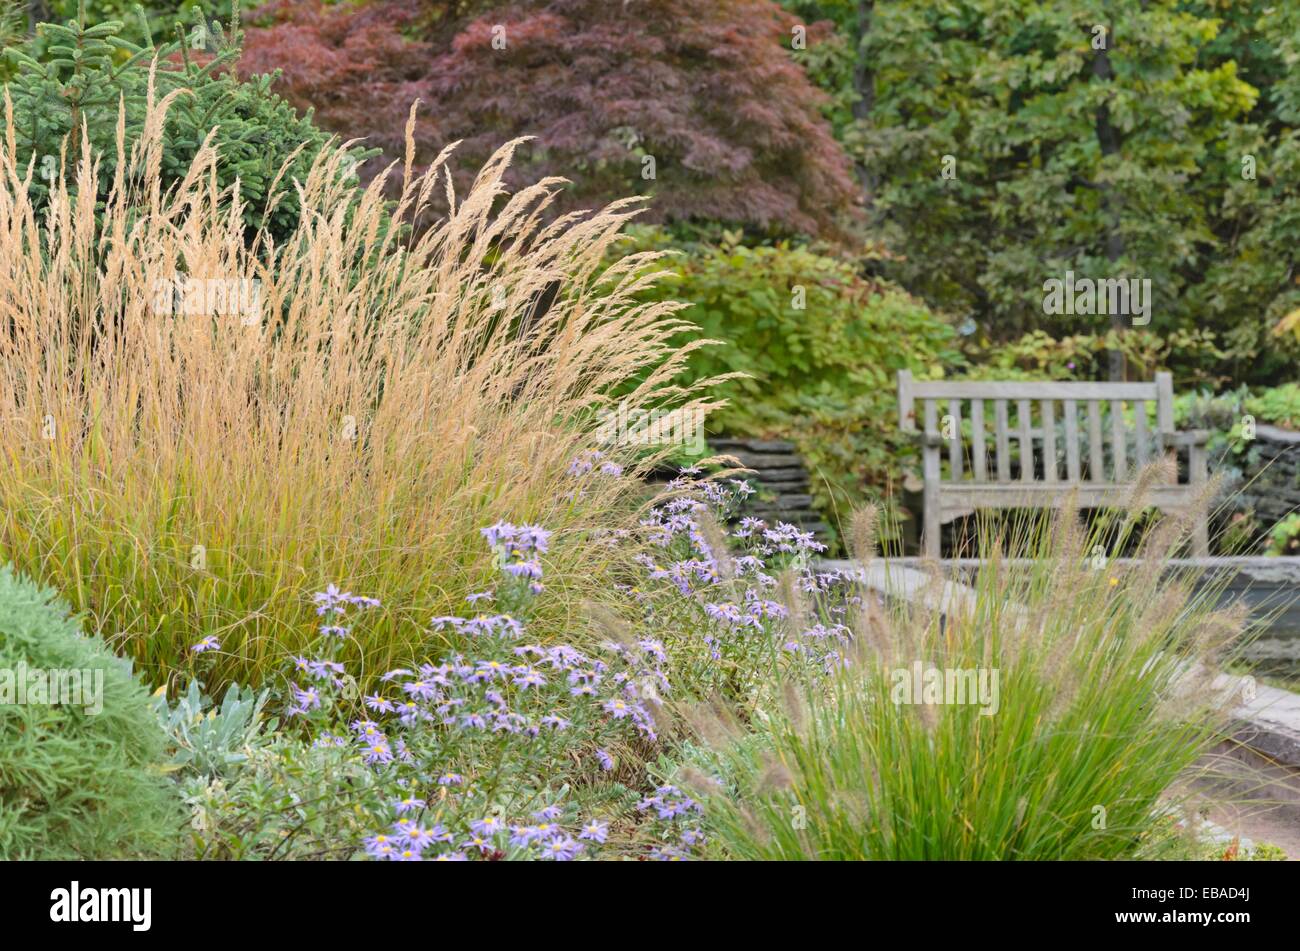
<point x="930" y="528"/>
<point x="1201" y="538"/>
<point x="1198" y="473"/>
<point x="930" y="534"/>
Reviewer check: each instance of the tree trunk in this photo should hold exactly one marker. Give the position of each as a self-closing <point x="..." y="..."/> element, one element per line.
<point x="864" y="84"/>
<point x="1109" y="140"/>
<point x="37" y="12"/>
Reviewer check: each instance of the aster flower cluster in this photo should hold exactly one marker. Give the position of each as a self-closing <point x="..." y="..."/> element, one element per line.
<point x="593" y="460"/>
<point x="732" y="592"/>
<point x="675" y="818"/>
<point x="549" y="833"/>
<point x="324" y="674"/>
<point x="518" y="548"/>
<point x="505" y="711"/>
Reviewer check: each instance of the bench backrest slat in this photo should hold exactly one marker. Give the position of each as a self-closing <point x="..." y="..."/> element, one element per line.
<point x="1004" y="445"/>
<point x="1049" y="441"/>
<point x="1095" y="467"/>
<point x="1024" y="416"/>
<point x="1034" y="428"/>
<point x="978" y="457"/>
<point x="1072" y="470"/>
<point x="1117" y="454"/>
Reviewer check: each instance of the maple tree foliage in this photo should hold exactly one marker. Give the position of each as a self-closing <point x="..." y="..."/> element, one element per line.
<point x="706" y="88"/>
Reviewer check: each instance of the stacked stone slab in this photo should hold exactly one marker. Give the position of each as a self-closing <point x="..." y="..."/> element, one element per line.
<point x="1272" y="485"/>
<point x="781" y="482"/>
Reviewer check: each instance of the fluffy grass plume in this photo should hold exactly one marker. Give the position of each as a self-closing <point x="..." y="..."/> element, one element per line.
<point x="182" y="469"/>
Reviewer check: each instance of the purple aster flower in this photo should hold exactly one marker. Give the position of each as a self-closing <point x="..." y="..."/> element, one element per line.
<point x="498" y="534"/>
<point x="550" y="812"/>
<point x="423" y="689"/>
<point x="407" y="803"/>
<point x="489" y="826"/>
<point x="522" y="835"/>
<point x="667" y="853"/>
<point x="524" y="569"/>
<point x="534" y="538"/>
<point x="653" y="648"/>
<point x="304" y="700"/>
<point x="410" y="713"/>
<point x="329" y="599"/>
<point x="418" y="836"/>
<point x="561" y="848"/>
<point x="527" y="677"/>
<point x="380" y="845"/>
<point x="606" y="761"/>
<point x="324" y="670"/>
<point x="367" y="730"/>
<point x="209" y="643"/>
<point x="594" y="831"/>
<point x="491" y="669"/>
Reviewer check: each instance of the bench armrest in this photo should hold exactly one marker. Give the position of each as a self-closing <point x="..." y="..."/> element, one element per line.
<point x="1193" y="437"/>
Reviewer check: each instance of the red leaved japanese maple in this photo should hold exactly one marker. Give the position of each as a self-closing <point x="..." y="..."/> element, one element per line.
<point x="695" y="103"/>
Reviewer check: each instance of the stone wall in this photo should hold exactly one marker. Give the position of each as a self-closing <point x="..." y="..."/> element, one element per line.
<point x="1271" y="484"/>
<point x="780" y="480"/>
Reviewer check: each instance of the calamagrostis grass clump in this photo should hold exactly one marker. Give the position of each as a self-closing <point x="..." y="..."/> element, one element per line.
<point x="1041" y="718"/>
<point x="188" y="455"/>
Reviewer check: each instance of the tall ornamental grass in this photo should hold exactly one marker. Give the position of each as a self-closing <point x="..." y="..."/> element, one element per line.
<point x="1088" y="688"/>
<point x="184" y="459"/>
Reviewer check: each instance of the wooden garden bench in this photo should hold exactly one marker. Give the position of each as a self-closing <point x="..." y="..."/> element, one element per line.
<point x="1027" y="414"/>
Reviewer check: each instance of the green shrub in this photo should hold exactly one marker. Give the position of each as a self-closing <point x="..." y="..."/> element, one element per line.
<point x="1279" y="405"/>
<point x="1284" y="537"/>
<point x="160" y="16"/>
<point x="74" y="75"/>
<point x="1190" y="355"/>
<point x="76" y="782"/>
<point x="822" y="346"/>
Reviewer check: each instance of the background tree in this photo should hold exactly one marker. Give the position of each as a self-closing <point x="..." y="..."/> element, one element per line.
<point x="697" y="104"/>
<point x="1125" y="160"/>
